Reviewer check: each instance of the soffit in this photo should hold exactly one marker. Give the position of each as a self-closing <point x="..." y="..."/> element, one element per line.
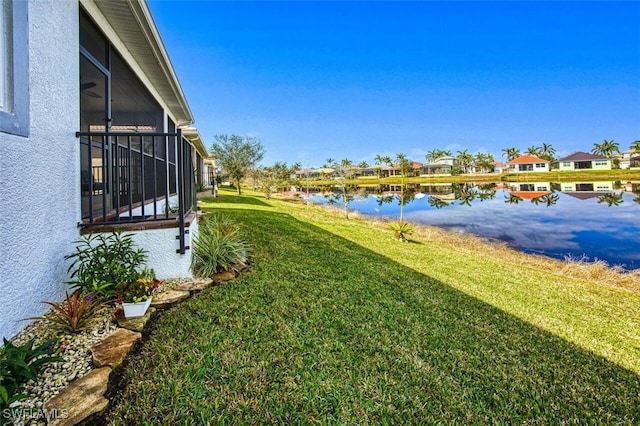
<point x="132" y="22"/>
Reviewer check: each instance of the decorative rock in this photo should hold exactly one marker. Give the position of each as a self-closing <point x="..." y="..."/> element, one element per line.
<point x="239" y="267"/>
<point x="223" y="276"/>
<point x="168" y="298"/>
<point x="135" y="324"/>
<point x="113" y="349"/>
<point x="81" y="399"/>
<point x="194" y="285"/>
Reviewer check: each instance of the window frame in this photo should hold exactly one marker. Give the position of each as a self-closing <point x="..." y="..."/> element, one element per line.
<point x="16" y="121"/>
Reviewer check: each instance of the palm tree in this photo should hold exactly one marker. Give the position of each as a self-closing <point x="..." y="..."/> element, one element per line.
<point x="513" y="199"/>
<point x="432" y="155"/>
<point x="465" y="160"/>
<point x="533" y="150"/>
<point x="484" y="162"/>
<point x="436" y="202"/>
<point x="547" y="152"/>
<point x="511" y="153"/>
<point x="635" y="147"/>
<point x="379" y="160"/>
<point x="405" y="167"/>
<point x="466" y="197"/>
<point x="363" y="165"/>
<point x="606" y="148"/>
<point x="612" y="199"/>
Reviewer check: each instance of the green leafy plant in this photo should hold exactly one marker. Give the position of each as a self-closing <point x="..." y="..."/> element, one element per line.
<point x="218" y="246"/>
<point x="72" y="315"/>
<point x="19" y="364"/>
<point x="140" y="289"/>
<point x="401" y="230"/>
<point x="102" y="261"/>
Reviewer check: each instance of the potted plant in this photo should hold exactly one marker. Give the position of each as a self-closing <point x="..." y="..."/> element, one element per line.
<point x="135" y="295"/>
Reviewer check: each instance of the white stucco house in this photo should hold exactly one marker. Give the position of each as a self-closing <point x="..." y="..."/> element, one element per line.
<point x="528" y="163"/>
<point x="584" y="161"/>
<point x="91" y="113"/>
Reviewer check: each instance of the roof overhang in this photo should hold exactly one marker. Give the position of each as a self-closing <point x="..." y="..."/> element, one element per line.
<point x="193" y="135"/>
<point x="133" y="24"/>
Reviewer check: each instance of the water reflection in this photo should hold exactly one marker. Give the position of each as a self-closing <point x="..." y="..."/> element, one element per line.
<point x="595" y="220"/>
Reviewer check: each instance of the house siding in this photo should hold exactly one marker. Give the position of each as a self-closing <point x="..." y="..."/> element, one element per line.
<point x="40" y="199"/>
<point x="570" y="165"/>
<point x="39" y="174"/>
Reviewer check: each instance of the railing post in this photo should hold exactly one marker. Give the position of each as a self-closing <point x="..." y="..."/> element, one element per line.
<point x="181" y="190"/>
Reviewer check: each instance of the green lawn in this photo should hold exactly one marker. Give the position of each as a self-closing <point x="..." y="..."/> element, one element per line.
<point x="335" y="322"/>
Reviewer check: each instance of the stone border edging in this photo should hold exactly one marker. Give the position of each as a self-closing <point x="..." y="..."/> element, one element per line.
<point x="85" y="397"/>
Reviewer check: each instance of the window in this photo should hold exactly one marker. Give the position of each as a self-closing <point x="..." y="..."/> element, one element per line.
<point x="601" y="163"/>
<point x="540" y="165"/>
<point x="14" y="78"/>
<point x="566" y="164"/>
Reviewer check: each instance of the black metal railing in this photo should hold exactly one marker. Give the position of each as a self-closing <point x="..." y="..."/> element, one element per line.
<point x="131" y="177"/>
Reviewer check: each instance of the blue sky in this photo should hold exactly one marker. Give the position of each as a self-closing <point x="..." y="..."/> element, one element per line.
<point x="314" y="80"/>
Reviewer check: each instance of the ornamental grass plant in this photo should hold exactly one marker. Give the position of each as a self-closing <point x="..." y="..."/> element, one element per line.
<point x="218" y="246"/>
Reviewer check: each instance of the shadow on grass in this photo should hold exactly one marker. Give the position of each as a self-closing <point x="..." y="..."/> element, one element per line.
<point x="322" y="330"/>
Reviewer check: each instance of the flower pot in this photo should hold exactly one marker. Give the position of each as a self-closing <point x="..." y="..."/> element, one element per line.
<point x="136" y="310"/>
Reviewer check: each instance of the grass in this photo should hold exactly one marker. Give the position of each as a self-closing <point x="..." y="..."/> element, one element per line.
<point x="336" y="322"/>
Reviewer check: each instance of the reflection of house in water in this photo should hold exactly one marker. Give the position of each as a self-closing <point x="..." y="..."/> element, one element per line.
<point x="530" y="187"/>
<point x="586" y="190"/>
<point x="633" y="187"/>
<point x="443" y="191"/>
<point x="529" y="190"/>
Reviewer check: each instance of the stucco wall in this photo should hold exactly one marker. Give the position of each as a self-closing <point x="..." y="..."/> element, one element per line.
<point x="39" y="191"/>
<point x="161" y="246"/>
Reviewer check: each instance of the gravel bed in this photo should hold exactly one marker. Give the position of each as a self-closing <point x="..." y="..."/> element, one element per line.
<point x="74" y="348"/>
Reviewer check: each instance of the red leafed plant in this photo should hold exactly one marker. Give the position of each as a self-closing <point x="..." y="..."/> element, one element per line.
<point x="73" y="314"/>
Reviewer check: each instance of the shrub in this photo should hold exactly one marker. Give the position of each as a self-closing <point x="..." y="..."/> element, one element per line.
<point x="139" y="289"/>
<point x="72" y="315"/>
<point x="19" y="364"/>
<point x="102" y="261"/>
<point x="401" y="230"/>
<point x="218" y="245"/>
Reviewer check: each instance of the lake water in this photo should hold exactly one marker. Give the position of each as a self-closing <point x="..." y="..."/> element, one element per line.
<point x="589" y="220"/>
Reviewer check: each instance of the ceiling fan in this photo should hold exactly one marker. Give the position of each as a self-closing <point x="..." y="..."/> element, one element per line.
<point x="84" y="88"/>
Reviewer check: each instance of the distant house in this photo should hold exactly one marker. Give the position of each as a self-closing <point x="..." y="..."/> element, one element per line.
<point x="634" y="162"/>
<point x="499" y="166"/>
<point x="441" y="166"/>
<point x="625" y="158"/>
<point x="394" y="170"/>
<point x="584" y="161"/>
<point x="528" y="163"/>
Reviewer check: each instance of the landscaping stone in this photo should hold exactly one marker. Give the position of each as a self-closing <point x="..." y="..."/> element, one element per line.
<point x="135" y="324"/>
<point x="194" y="285"/>
<point x="112" y="350"/>
<point x="168" y="298"/>
<point x="239" y="267"/>
<point x="79" y="400"/>
<point x="223" y="276"/>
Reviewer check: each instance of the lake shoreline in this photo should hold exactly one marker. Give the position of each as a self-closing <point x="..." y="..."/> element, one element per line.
<point x="609" y="275"/>
<point x="552" y="176"/>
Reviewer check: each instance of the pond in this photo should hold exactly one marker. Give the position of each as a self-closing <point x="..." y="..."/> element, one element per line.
<point x="582" y="220"/>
